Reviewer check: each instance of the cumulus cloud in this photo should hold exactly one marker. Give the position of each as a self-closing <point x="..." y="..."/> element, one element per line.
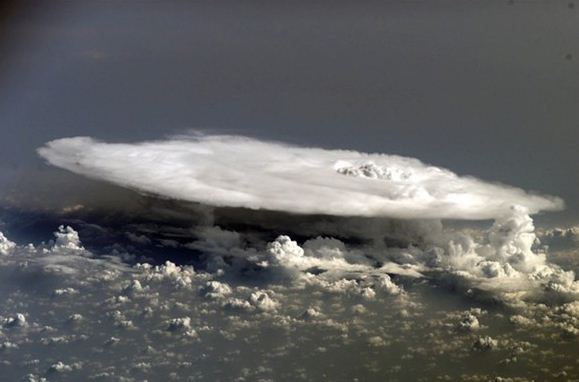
<point x="67" y="238"/>
<point x="6" y="246"/>
<point x="155" y="313"/>
<point x="241" y="172"/>
<point x="560" y="238"/>
<point x="18" y="321"/>
<point x="215" y="289"/>
<point x="501" y="260"/>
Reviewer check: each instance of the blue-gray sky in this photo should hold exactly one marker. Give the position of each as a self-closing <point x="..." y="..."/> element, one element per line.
<point x="483" y="88"/>
<point x="487" y="88"/>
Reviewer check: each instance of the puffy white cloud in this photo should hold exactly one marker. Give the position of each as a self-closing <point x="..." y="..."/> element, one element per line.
<point x="355" y="306"/>
<point x="238" y="304"/>
<point x="60" y="367"/>
<point x="75" y="318"/>
<point x="18" y="321"/>
<point x="6" y="246"/>
<point x="311" y="314"/>
<point x="523" y="321"/>
<point x="469" y="322"/>
<point x="262" y="301"/>
<point x="215" y="289"/>
<point x="320" y="254"/>
<point x="178" y="276"/>
<point x="385" y="283"/>
<point x="561" y="238"/>
<point x="376" y="341"/>
<point x="571" y="309"/>
<point x="7" y="345"/>
<point x="241" y="172"/>
<point x="286" y="252"/>
<point x="65" y="291"/>
<point x="67" y="238"/>
<point x="179" y="324"/>
<point x="133" y="288"/>
<point x="501" y="261"/>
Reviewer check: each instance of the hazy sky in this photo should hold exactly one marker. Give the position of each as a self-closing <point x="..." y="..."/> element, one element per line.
<point x="483" y="88"/>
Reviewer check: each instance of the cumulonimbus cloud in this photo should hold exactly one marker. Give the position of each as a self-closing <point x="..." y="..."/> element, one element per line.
<point x="237" y="171"/>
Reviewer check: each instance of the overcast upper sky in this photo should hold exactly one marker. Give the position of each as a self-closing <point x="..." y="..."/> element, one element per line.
<point x="489" y="89"/>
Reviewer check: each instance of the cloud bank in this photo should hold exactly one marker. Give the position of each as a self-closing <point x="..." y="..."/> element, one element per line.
<point x="241" y="172"/>
<point x="90" y="316"/>
<point x="233" y="171"/>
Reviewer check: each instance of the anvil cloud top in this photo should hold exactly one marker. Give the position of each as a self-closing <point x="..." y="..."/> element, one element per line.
<point x="237" y="171"/>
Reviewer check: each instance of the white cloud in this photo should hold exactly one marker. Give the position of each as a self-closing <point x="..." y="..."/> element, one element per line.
<point x="376" y="341"/>
<point x="67" y="238"/>
<point x="215" y="290"/>
<point x="19" y="321"/>
<point x="179" y="324"/>
<point x="352" y="306"/>
<point x="242" y="172"/>
<point x="262" y="301"/>
<point x="566" y="238"/>
<point x="6" y="246"/>
<point x="60" y="367"/>
<point x="469" y="322"/>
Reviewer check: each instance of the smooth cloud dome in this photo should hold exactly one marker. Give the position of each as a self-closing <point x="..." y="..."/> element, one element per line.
<point x="236" y="171"/>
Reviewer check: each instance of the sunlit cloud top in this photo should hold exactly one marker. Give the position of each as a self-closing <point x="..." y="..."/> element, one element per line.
<point x="237" y="171"/>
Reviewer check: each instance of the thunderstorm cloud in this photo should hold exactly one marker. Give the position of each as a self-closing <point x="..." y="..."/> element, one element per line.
<point x="236" y="171"/>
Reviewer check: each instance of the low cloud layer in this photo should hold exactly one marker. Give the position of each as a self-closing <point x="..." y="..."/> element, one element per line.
<point x="90" y="316"/>
<point x="235" y="171"/>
